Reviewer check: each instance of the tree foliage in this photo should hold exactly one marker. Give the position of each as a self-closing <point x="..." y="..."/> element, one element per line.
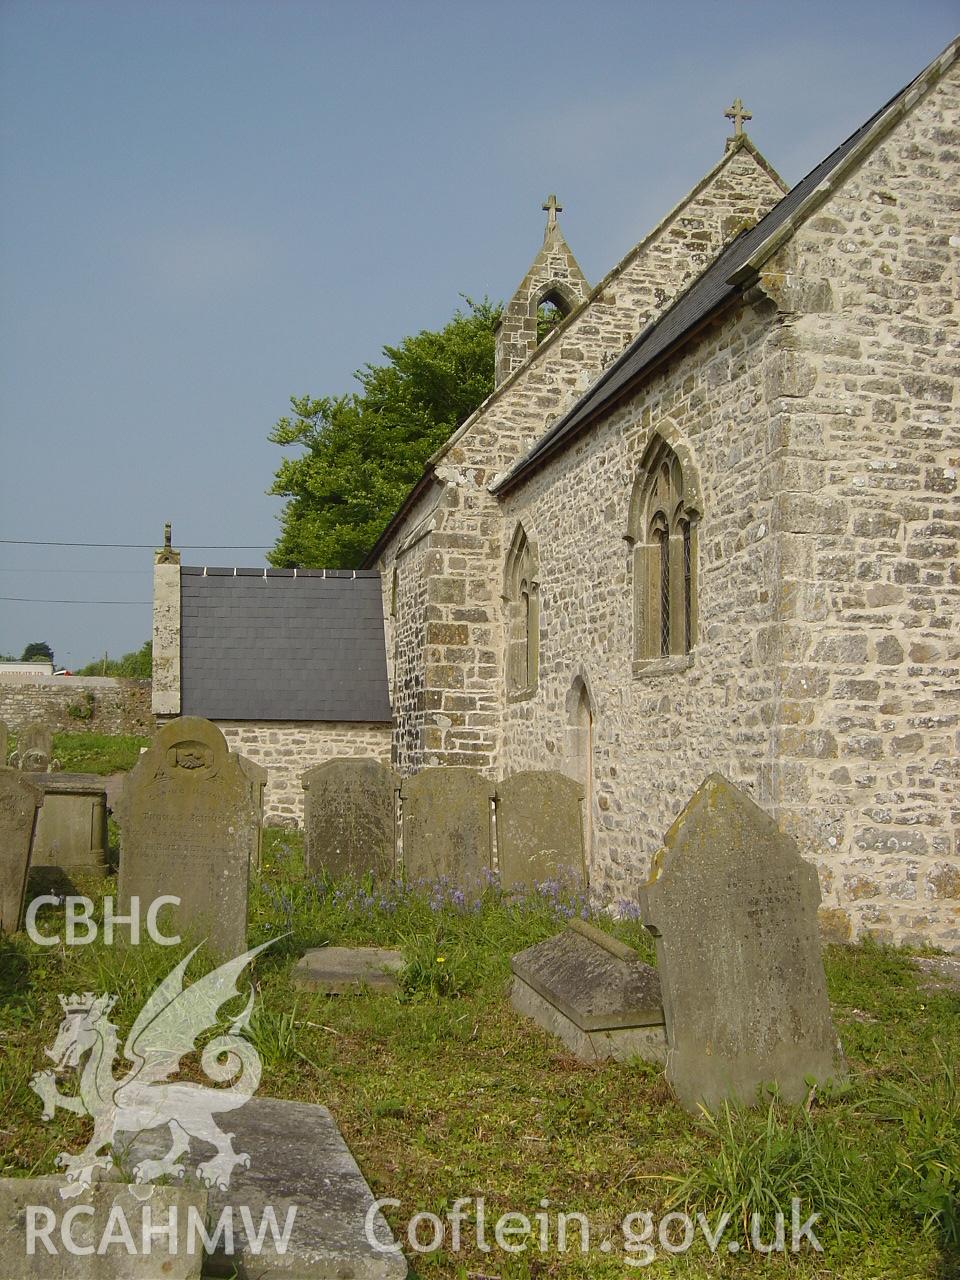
<point x="137" y="665"/>
<point x="365" y="450"/>
<point x="38" y="651"/>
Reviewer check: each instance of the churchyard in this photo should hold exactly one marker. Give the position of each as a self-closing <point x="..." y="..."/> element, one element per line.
<point x="443" y="1091"/>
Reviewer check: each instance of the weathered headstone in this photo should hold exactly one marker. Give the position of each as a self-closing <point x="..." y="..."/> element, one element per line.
<point x="349" y="818"/>
<point x="257" y="776"/>
<point x="298" y="1161"/>
<point x="734" y="912"/>
<point x="19" y="802"/>
<point x="341" y="970"/>
<point x="107" y="1235"/>
<point x="446" y="826"/>
<point x="540" y="830"/>
<point x="71" y="830"/>
<point x="187" y="829"/>
<point x="594" y="993"/>
<point x="35" y="748"/>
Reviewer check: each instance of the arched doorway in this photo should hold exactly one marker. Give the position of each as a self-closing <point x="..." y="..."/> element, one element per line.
<point x="579" y="753"/>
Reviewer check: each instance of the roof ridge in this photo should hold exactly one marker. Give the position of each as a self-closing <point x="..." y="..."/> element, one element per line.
<point x="604" y="283"/>
<point x="749" y="251"/>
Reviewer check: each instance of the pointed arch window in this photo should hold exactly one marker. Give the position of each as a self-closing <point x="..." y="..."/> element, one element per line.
<point x="662" y="529"/>
<point x="521" y="596"/>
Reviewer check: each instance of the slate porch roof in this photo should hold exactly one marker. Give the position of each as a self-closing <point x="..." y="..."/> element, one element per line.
<point x="282" y="644"/>
<point x="724" y="281"/>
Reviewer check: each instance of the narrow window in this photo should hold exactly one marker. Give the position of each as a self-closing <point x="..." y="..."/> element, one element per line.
<point x="687" y="588"/>
<point x="522" y="617"/>
<point x="525" y="634"/>
<point x="664" y="593"/>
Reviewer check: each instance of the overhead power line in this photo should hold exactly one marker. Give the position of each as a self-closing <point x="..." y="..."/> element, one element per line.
<point x="36" y="600"/>
<point x="128" y="546"/>
<point x="71" y="572"/>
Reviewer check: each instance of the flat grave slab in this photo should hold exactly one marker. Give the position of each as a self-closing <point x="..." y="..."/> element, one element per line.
<point x="594" y="993"/>
<point x="27" y="1205"/>
<point x="342" y="970"/>
<point x="298" y="1160"/>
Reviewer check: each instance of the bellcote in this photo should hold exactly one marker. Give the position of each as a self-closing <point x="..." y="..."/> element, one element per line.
<point x="552" y="288"/>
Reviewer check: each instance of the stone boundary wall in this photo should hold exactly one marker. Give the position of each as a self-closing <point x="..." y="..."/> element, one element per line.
<point x="102" y="704"/>
<point x="286" y="749"/>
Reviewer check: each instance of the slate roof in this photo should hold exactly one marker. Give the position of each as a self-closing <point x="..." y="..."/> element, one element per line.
<point x="719" y="285"/>
<point x="282" y="644"/>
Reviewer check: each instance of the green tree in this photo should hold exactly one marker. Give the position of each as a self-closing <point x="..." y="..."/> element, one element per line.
<point x="137" y="665"/>
<point x="363" y="451"/>
<point x="39" y="651"/>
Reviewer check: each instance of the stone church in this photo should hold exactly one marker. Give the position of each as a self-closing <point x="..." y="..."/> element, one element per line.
<point x="707" y="522"/>
<point x="710" y="522"/>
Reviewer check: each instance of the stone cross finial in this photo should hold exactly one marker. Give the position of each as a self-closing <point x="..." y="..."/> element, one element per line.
<point x="738" y="114"/>
<point x="166" y="554"/>
<point x="551" y="209"/>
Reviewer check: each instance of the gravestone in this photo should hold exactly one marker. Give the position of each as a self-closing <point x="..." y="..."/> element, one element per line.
<point x="540" y="830"/>
<point x="35" y="748"/>
<point x="4" y="741"/>
<point x="334" y="971"/>
<point x="19" y="802"/>
<point x="734" y="913"/>
<point x="594" y="993"/>
<point x="71" y="830"/>
<point x="349" y="818"/>
<point x="96" y="1231"/>
<point x="298" y="1160"/>
<point x="188" y="829"/>
<point x="446" y="826"/>
<point x="257" y="776"/>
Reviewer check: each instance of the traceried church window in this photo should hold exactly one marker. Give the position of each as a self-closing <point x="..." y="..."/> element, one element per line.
<point x="663" y="531"/>
<point x="522" y="617"/>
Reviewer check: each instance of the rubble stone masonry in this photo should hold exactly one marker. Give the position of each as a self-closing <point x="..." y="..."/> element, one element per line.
<point x="822" y="421"/>
<point x="820" y="418"/>
<point x="286" y="749"/>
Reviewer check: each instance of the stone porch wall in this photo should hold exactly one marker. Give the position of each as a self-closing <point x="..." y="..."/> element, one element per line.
<point x="286" y="749"/>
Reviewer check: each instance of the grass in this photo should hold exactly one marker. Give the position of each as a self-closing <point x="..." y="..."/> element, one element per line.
<point x="442" y="1091"/>
<point x="100" y="753"/>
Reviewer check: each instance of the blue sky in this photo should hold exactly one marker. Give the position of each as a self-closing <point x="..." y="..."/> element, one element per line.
<point x="208" y="207"/>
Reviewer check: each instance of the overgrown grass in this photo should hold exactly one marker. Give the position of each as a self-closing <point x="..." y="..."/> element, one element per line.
<point x="101" y="753"/>
<point x="442" y="1091"/>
